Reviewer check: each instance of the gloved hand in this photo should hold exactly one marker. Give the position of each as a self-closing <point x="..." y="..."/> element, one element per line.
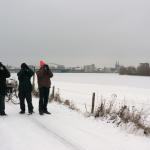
<point x="46" y="67"/>
<point x="1" y="64"/>
<point x="2" y="67"/>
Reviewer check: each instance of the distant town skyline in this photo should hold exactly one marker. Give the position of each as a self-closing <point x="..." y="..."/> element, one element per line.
<point x="75" y="33"/>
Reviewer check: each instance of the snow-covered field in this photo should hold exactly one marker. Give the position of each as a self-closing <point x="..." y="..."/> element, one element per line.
<point x="69" y="130"/>
<point x="134" y="90"/>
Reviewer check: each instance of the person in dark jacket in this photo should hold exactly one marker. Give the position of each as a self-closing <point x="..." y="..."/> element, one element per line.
<point x="25" y="88"/>
<point x="44" y="83"/>
<point x="4" y="73"/>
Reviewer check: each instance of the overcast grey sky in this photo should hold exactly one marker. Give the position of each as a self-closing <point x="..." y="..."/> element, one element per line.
<point x="75" y="32"/>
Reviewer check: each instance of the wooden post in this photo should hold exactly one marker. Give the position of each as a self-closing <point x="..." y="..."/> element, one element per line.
<point x="93" y="103"/>
<point x="53" y="92"/>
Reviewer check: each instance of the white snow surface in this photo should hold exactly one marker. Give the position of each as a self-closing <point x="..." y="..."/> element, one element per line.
<point x="63" y="130"/>
<point x="68" y="130"/>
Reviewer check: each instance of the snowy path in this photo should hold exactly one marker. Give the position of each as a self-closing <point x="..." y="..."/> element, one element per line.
<point x="63" y="130"/>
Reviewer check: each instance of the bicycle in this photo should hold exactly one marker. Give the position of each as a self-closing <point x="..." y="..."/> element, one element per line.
<point x="12" y="91"/>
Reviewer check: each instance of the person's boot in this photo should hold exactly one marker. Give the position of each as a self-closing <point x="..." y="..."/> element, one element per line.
<point x="22" y="112"/>
<point x="47" y="112"/>
<point x="3" y="114"/>
<point x="41" y="113"/>
<point x="30" y="112"/>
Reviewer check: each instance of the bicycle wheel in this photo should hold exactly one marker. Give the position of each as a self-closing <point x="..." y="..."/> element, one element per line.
<point x="15" y="98"/>
<point x="7" y="97"/>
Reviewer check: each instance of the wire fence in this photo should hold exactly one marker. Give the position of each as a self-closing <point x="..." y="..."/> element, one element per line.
<point x="83" y="100"/>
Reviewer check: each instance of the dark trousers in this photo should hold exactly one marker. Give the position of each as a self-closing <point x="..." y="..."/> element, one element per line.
<point x="28" y="97"/>
<point x="44" y="95"/>
<point x="2" y="103"/>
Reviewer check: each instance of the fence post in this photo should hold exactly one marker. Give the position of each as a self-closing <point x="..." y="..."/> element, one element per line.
<point x="93" y="103"/>
<point x="53" y="93"/>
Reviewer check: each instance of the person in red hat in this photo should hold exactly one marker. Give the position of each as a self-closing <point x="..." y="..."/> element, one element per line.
<point x="44" y="83"/>
<point x="42" y="63"/>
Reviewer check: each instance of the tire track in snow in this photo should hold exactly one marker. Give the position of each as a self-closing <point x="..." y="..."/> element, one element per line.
<point x="102" y="137"/>
<point x="60" y="138"/>
<point x="47" y="130"/>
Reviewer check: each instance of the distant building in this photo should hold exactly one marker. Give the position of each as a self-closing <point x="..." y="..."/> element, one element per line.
<point x="76" y="68"/>
<point x="89" y="68"/>
<point x="117" y="66"/>
<point x="60" y="67"/>
<point x="107" y="70"/>
<point x="143" y="69"/>
<point x="52" y="67"/>
<point x="144" y="65"/>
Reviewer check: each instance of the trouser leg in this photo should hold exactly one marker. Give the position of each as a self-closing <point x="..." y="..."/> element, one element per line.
<point x="2" y="103"/>
<point x="41" y="99"/>
<point x="46" y="96"/>
<point x="22" y="100"/>
<point x="29" y="102"/>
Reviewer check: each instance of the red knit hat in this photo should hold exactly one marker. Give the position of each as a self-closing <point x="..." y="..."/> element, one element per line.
<point x="42" y="63"/>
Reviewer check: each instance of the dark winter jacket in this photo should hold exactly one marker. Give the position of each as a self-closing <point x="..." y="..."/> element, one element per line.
<point x="4" y="73"/>
<point x="43" y="76"/>
<point x="24" y="77"/>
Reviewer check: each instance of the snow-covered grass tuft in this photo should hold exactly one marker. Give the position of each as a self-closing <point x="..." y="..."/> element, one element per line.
<point x="134" y="120"/>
